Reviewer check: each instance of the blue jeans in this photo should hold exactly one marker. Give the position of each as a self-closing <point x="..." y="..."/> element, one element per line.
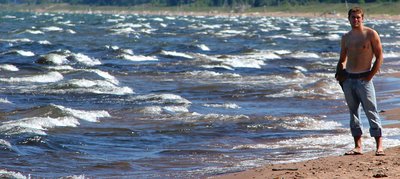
<point x="356" y="92"/>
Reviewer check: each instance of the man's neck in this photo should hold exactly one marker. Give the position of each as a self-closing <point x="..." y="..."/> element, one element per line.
<point x="358" y="29"/>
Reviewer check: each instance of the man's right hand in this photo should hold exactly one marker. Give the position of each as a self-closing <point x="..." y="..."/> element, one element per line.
<point x="341" y="75"/>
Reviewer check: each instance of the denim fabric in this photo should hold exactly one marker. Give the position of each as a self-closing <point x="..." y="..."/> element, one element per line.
<point x="356" y="92"/>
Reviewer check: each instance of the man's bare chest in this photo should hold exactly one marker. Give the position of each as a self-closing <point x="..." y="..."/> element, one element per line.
<point x="358" y="43"/>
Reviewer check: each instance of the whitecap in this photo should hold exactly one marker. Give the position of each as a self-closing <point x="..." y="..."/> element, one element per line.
<point x="307" y="123"/>
<point x="282" y="52"/>
<point x="34" y="31"/>
<point x="53" y="58"/>
<point x="9" y="17"/>
<point x="11" y="174"/>
<point x="251" y="146"/>
<point x="278" y="37"/>
<point x="5" y="144"/>
<point x="23" y="40"/>
<point x="391" y="55"/>
<point x="209" y="74"/>
<point x="163" y="99"/>
<point x="175" y="109"/>
<point x="153" y="110"/>
<point x="61" y="67"/>
<point x="8" y="67"/>
<point x="240" y="62"/>
<point x="46" y="78"/>
<point x="163" y="25"/>
<point x="301" y="34"/>
<point x="227" y="67"/>
<point x="225" y="105"/>
<point x="25" y="53"/>
<point x="67" y="23"/>
<point x="175" y="54"/>
<point x="321" y="89"/>
<point x="158" y="19"/>
<point x="269" y="55"/>
<point x="132" y="25"/>
<point x="106" y="76"/>
<point x="220" y="117"/>
<point x="36" y="125"/>
<point x="127" y="30"/>
<point x="84" y="59"/>
<point x="52" y="29"/>
<point x="90" y="116"/>
<point x="304" y="55"/>
<point x="210" y="26"/>
<point x="233" y="32"/>
<point x="113" y="47"/>
<point x="333" y="37"/>
<point x="5" y="101"/>
<point x="71" y="31"/>
<point x="127" y="51"/>
<point x="92" y="86"/>
<point x="302" y="69"/>
<point x="44" y="42"/>
<point x="75" y="177"/>
<point x="203" y="47"/>
<point x="137" y="58"/>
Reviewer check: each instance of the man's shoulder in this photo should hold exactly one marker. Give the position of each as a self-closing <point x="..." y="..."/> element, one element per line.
<point x="370" y="30"/>
<point x="345" y="35"/>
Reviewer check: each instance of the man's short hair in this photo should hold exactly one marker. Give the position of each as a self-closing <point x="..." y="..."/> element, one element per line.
<point x="357" y="10"/>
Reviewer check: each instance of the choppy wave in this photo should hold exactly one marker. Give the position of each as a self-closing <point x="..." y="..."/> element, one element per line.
<point x="11" y="174"/>
<point x="162" y="99"/>
<point x="89" y="86"/>
<point x="39" y="125"/>
<point x="9" y="67"/>
<point x="45" y="78"/>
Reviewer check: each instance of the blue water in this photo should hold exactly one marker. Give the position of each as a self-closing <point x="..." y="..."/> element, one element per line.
<point x="135" y="96"/>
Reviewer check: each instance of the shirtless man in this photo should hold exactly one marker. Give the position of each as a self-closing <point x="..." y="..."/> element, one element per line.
<point x="354" y="73"/>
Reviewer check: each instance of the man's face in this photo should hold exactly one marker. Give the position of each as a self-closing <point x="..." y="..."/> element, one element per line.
<point x="356" y="19"/>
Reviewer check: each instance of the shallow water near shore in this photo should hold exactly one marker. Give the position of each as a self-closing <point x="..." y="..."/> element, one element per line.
<point x="133" y="96"/>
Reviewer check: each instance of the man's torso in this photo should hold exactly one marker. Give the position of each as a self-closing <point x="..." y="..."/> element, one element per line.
<point x="359" y="51"/>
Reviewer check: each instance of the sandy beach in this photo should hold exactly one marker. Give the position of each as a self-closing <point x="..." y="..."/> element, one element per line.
<point x="358" y="166"/>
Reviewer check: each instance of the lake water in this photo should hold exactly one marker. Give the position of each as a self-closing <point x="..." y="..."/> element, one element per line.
<point x="134" y="96"/>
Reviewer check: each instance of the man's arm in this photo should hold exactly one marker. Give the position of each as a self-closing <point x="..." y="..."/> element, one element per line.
<point x="377" y="50"/>
<point x="340" y="76"/>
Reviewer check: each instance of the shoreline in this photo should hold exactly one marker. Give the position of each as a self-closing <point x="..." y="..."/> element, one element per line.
<point x="353" y="166"/>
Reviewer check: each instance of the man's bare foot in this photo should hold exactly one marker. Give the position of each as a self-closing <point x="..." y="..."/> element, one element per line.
<point x="379" y="153"/>
<point x="353" y="152"/>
